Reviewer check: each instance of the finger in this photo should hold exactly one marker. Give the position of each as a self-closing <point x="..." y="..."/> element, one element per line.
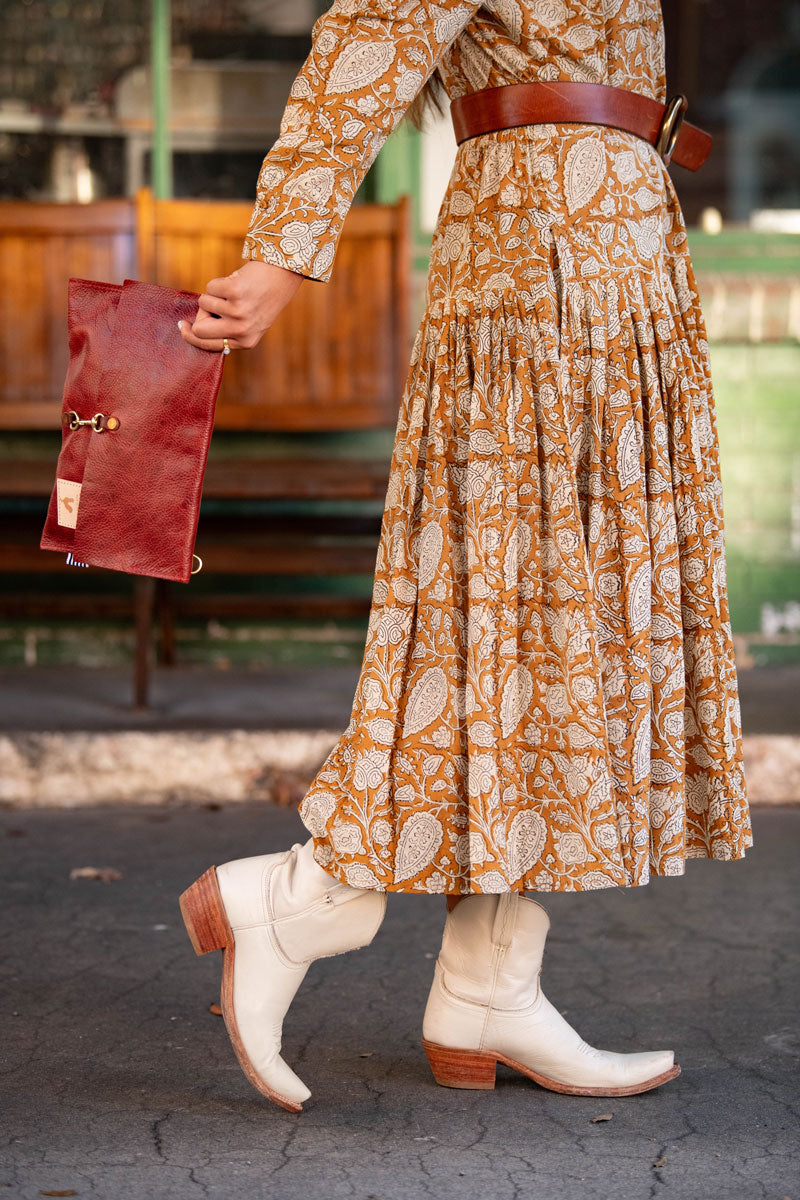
<point x="221" y="287"/>
<point x="205" y="326"/>
<point x="214" y="305"/>
<point x="213" y="344"/>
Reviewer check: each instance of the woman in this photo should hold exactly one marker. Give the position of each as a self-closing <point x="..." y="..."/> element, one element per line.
<point x="548" y="697"/>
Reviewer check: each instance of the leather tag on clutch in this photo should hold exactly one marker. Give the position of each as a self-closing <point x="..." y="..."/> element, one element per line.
<point x="69" y="497"/>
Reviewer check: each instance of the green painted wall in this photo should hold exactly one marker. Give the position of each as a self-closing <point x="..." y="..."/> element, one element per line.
<point x="757" y="397"/>
<point x="758" y="416"/>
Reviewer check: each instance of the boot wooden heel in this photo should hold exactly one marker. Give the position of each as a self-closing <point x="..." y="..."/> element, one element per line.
<point x="461" y="1068"/>
<point x="204" y="914"/>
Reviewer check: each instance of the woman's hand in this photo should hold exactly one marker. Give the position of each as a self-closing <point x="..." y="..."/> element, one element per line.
<point x="246" y="303"/>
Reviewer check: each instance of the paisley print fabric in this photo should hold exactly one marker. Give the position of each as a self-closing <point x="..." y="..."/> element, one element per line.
<point x="548" y="697"/>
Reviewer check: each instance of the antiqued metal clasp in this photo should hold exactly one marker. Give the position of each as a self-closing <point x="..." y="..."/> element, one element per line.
<point x="98" y="422"/>
<point x="671" y="126"/>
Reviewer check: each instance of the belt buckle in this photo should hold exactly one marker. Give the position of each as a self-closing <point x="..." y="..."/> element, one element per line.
<point x="670" y="126"/>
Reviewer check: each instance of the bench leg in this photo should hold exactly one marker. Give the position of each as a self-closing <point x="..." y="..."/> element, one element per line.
<point x="166" y="623"/>
<point x="144" y="597"/>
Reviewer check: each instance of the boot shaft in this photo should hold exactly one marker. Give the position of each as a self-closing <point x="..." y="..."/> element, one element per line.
<point x="492" y="950"/>
<point x="307" y="913"/>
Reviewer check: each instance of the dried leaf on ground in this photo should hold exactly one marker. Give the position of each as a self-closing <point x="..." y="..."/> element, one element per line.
<point x="215" y="1010"/>
<point x="601" y="1117"/>
<point x="660" y="1162"/>
<point x="102" y="874"/>
<point x="68" y="1192"/>
<point x="283" y="787"/>
<point x="367" y="1054"/>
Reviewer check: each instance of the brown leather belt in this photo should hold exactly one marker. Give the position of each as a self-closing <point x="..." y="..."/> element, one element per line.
<point x="595" y="103"/>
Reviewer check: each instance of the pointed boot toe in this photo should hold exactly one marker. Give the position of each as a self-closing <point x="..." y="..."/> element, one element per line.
<point x="650" y="1068"/>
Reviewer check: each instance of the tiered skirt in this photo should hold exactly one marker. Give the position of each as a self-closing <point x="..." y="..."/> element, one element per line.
<point x="548" y="697"/>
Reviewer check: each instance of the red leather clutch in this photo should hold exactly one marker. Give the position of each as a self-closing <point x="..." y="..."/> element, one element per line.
<point x="137" y="416"/>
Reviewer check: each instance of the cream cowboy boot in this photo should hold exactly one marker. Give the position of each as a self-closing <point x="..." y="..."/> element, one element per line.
<point x="486" y="1006"/>
<point x="272" y="916"/>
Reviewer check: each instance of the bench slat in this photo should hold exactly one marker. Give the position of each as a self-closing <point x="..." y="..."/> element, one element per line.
<point x="186" y="604"/>
<point x="241" y="478"/>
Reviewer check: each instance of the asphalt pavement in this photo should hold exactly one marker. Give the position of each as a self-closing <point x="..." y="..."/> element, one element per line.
<point x="119" y="1083"/>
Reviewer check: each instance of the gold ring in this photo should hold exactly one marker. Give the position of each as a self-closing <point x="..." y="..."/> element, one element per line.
<point x="225" y="347"/>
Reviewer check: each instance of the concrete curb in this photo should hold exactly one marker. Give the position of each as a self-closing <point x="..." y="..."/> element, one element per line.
<point x="79" y="770"/>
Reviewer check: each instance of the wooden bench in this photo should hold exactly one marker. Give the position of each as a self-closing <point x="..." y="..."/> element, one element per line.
<point x="334" y="361"/>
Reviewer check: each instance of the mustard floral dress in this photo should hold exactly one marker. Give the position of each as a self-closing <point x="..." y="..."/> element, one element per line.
<point x="548" y="697"/>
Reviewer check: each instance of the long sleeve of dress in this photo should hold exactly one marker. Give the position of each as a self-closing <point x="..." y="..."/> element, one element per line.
<point x="368" y="60"/>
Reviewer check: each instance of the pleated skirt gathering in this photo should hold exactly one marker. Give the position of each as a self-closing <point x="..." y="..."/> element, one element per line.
<point x="548" y="697"/>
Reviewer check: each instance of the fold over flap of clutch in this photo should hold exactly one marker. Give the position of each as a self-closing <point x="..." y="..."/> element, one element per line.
<point x="92" y="313"/>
